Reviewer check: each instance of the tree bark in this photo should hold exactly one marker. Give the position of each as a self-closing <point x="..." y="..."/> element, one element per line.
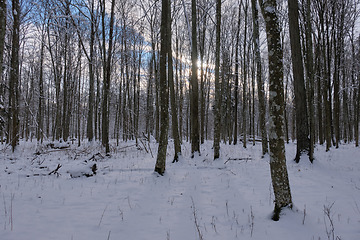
<point x="259" y="78"/>
<point x="245" y="94"/>
<point x="278" y="167"/>
<point x="236" y="87"/>
<point x="195" y="139"/>
<point x="165" y="32"/>
<point x="302" y="127"/>
<point x="90" y="117"/>
<point x="217" y="109"/>
<point x="310" y="76"/>
<point x="107" y="59"/>
<point x="3" y="15"/>
<point x="14" y="77"/>
<point x="40" y="132"/>
<point x="174" y="117"/>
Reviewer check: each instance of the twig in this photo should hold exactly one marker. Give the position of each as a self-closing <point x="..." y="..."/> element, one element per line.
<point x="238" y="159"/>
<point x="93" y="158"/>
<point x="195" y="220"/>
<point x="150" y="150"/>
<point x="56" y="170"/>
<point x="6" y="146"/>
<point x="102" y="216"/>
<point x="329" y="232"/>
<point x="143" y="145"/>
<point x="134" y="145"/>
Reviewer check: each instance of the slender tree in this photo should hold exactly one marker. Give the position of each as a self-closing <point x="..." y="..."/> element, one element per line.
<point x="2" y="47"/>
<point x="236" y="88"/>
<point x="91" y="60"/>
<point x="278" y="168"/>
<point x="3" y="15"/>
<point x="40" y="129"/>
<point x="165" y="50"/>
<point x="302" y="126"/>
<point x="107" y="59"/>
<point x="194" y="112"/>
<point x="244" y="75"/>
<point x="259" y="78"/>
<point x="309" y="56"/>
<point x="217" y="109"/>
<point x="67" y="74"/>
<point x="14" y="76"/>
<point x="174" y="116"/>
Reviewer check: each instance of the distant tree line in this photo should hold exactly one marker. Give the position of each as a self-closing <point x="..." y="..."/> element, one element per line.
<point x="79" y="69"/>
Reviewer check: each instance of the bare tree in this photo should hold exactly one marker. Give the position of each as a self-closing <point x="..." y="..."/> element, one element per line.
<point x="107" y="59"/>
<point x="259" y="78"/>
<point x="236" y="88"/>
<point x="302" y="126"/>
<point x="14" y="77"/>
<point x="41" y="106"/>
<point x="245" y="72"/>
<point x="278" y="168"/>
<point x="174" y="117"/>
<point x="217" y="109"/>
<point x="3" y="16"/>
<point x="309" y="57"/>
<point x="165" y="50"/>
<point x="195" y="138"/>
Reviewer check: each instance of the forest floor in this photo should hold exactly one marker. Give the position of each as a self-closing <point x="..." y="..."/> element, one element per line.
<point x="45" y="195"/>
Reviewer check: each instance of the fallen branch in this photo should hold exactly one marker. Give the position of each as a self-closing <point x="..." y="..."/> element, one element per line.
<point x="150" y="150"/>
<point x="143" y="145"/>
<point x="54" y="150"/>
<point x="134" y="145"/>
<point x="238" y="159"/>
<point x="57" y="146"/>
<point x="96" y="157"/>
<point x="56" y="170"/>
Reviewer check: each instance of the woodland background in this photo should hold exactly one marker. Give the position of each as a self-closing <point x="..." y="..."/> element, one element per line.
<point x="76" y="70"/>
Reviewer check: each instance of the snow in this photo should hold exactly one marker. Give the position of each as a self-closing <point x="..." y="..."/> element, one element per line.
<point x="230" y="198"/>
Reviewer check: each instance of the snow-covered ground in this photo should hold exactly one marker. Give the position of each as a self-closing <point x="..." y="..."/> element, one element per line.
<point x="196" y="199"/>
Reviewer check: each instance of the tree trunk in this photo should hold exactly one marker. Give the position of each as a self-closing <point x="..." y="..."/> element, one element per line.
<point x="278" y="168"/>
<point x="217" y="108"/>
<point x="107" y="59"/>
<point x="236" y="87"/>
<point x="149" y="95"/>
<point x="302" y="129"/>
<point x="259" y="79"/>
<point x="245" y="69"/>
<point x="319" y="99"/>
<point x="357" y="115"/>
<point x="202" y="78"/>
<point x="165" y="32"/>
<point x="194" y="112"/>
<point x="14" y="77"/>
<point x="174" y="117"/>
<point x="40" y="132"/>
<point x="3" y="15"/>
<point x="310" y="76"/>
<point x="66" y="78"/>
<point x="90" y="117"/>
